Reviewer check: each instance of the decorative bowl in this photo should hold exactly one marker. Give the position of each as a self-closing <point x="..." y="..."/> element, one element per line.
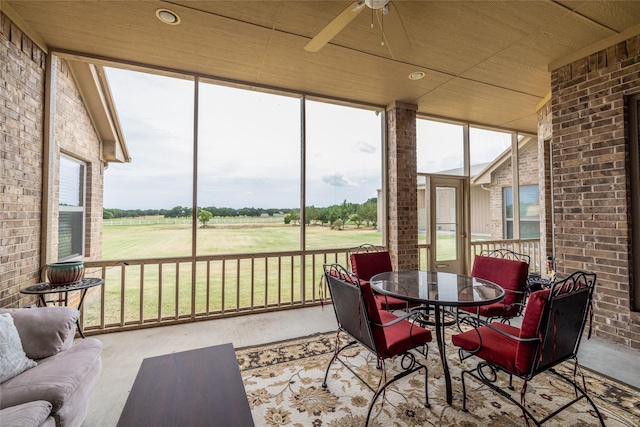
<point x="65" y="273"/>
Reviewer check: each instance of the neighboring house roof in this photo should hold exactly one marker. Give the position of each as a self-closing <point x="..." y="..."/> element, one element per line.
<point x="94" y="88"/>
<point x="473" y="170"/>
<point x="486" y="175"/>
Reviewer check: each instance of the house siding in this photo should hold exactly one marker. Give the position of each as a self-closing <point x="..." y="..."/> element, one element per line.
<point x="591" y="181"/>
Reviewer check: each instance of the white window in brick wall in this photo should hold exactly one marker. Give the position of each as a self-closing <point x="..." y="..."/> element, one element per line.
<point x="71" y="208"/>
<point x="529" y="212"/>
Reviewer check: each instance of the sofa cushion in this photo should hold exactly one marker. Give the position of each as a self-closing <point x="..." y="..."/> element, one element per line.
<point x="55" y="378"/>
<point x="13" y="359"/>
<point x="45" y="331"/>
<point x="31" y="414"/>
<point x="74" y="410"/>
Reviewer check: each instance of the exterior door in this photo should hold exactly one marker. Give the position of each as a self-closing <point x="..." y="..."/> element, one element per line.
<point x="447" y="224"/>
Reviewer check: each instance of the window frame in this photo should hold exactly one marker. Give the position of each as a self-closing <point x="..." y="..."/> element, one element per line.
<point x="506" y="220"/>
<point x="77" y="248"/>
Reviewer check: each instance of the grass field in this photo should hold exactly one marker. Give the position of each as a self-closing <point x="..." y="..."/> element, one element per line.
<point x="173" y="240"/>
<point x="161" y="289"/>
<point x="167" y="289"/>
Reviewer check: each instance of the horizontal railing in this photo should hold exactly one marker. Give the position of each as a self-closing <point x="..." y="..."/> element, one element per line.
<point x="141" y="293"/>
<point x="529" y="247"/>
<point x="149" y="292"/>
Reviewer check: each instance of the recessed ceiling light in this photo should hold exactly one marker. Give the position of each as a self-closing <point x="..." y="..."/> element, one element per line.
<point x="168" y="16"/>
<point x="416" y="75"/>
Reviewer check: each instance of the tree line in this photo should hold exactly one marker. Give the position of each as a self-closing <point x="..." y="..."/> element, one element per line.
<point x="186" y="212"/>
<point x="335" y="215"/>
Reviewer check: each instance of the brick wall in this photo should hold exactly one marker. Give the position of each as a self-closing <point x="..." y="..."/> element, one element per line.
<point x="76" y="137"/>
<point x="402" y="188"/>
<point x="22" y="100"/>
<point x="590" y="180"/>
<point x="22" y="78"/>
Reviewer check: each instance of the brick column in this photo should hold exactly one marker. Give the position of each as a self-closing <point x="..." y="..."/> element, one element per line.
<point x="591" y="182"/>
<point x="402" y="202"/>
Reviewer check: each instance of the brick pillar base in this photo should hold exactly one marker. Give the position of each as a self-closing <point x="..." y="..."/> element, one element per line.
<point x="402" y="187"/>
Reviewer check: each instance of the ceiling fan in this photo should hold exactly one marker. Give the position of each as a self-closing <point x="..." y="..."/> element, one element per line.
<point x="393" y="32"/>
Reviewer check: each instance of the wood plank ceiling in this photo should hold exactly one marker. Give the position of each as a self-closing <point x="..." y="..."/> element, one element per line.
<point x="485" y="62"/>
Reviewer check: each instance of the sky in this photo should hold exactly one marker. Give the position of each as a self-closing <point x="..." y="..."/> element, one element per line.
<point x="249" y="149"/>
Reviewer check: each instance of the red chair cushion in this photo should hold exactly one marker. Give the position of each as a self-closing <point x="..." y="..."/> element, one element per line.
<point x="345" y="277"/>
<point x="370" y="301"/>
<point x="496" y="348"/>
<point x="401" y="337"/>
<point x="395" y="339"/>
<point x="510" y="274"/>
<point x="497" y="309"/>
<point x="368" y="264"/>
<point x="390" y="303"/>
<point x="530" y="328"/>
<point x="515" y="356"/>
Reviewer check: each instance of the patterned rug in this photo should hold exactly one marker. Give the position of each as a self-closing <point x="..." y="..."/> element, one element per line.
<point x="283" y="382"/>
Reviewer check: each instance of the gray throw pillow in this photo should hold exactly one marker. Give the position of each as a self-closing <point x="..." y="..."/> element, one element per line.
<point x="13" y="359"/>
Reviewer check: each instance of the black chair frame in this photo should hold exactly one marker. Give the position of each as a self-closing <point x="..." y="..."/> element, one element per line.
<point x="353" y="319"/>
<point x="367" y="247"/>
<point x="506" y="254"/>
<point x="563" y="321"/>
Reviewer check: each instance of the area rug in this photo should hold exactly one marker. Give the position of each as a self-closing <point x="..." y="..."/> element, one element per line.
<point x="283" y="382"/>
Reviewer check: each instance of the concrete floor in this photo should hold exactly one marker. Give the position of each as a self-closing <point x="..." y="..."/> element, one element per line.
<point x="124" y="351"/>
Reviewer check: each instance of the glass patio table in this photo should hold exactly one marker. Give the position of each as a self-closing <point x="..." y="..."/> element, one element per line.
<point x="438" y="290"/>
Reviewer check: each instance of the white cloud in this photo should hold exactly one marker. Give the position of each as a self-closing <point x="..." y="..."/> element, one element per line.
<point x="337" y="180"/>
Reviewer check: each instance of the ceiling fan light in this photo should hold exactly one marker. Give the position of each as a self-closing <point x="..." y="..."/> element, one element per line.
<point x="376" y="4"/>
<point x="168" y="16"/>
<point x="416" y="75"/>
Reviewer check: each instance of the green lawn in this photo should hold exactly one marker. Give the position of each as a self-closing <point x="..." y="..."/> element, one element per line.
<point x="166" y="289"/>
<point x="225" y="285"/>
<point x="172" y="240"/>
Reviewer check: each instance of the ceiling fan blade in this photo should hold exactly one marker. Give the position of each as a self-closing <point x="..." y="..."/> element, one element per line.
<point x="395" y="35"/>
<point x="334" y="27"/>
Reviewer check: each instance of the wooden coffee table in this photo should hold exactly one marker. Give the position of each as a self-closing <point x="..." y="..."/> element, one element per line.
<point x="193" y="388"/>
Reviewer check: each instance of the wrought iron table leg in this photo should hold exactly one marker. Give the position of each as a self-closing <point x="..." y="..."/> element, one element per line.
<point x="443" y="353"/>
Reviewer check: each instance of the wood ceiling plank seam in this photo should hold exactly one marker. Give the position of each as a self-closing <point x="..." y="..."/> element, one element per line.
<point x="208" y="12"/>
<point x="529" y="34"/>
<point x="478" y="82"/>
<point x="584" y="17"/>
<point x="268" y="45"/>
